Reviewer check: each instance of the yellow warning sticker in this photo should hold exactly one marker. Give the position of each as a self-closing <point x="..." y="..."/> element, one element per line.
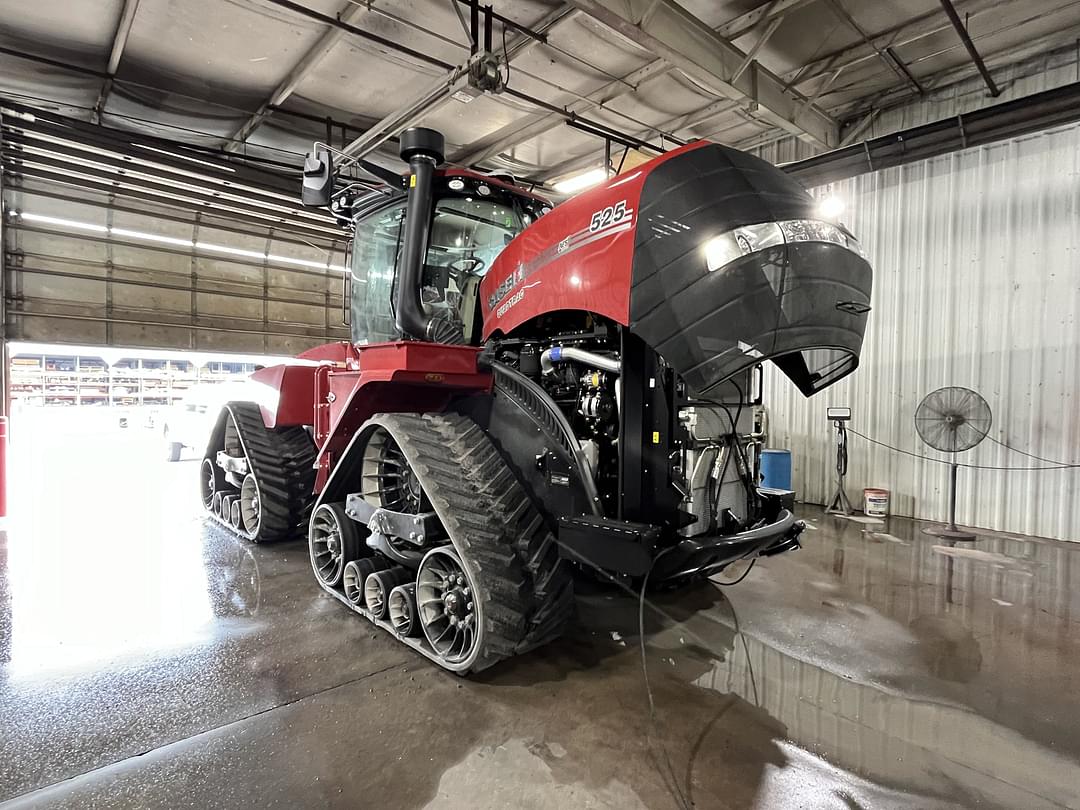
<point x="412" y="181"/>
<point x="656" y="437"/>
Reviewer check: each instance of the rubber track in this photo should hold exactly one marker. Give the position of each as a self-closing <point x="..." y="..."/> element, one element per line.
<point x="281" y="461"/>
<point x="526" y="588"/>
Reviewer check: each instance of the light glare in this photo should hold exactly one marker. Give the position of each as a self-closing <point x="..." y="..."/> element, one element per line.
<point x="581" y="181"/>
<point x="127" y="233"/>
<point x="832" y="207"/>
<point x="721" y="250"/>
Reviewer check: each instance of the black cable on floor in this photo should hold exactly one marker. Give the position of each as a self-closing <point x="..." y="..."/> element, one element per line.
<point x="742" y="576"/>
<point x="673" y="787"/>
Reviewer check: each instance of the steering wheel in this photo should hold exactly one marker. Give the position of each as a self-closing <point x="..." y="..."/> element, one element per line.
<point x="466" y="264"/>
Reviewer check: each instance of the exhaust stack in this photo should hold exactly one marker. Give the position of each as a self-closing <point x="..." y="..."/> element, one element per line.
<point x="423" y="150"/>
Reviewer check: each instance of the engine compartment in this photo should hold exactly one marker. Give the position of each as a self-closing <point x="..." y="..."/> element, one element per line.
<point x="700" y="457"/>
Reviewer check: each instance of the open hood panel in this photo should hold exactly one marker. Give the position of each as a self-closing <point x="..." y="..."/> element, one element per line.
<point x="732" y="266"/>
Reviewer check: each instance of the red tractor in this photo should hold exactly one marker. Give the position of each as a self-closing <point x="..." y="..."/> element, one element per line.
<point x="531" y="389"/>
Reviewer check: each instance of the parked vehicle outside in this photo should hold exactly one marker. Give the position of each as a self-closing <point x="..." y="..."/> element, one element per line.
<point x="187" y="424"/>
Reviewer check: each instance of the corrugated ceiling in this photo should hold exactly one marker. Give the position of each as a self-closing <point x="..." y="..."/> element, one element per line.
<point x="197" y="70"/>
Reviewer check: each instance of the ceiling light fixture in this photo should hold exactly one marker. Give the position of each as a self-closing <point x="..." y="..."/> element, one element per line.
<point x="582" y="181"/>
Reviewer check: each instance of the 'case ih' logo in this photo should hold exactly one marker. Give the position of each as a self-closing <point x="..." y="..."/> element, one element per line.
<point x="508" y="283"/>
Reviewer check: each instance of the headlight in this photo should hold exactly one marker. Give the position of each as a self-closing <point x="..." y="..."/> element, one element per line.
<point x="721" y="250"/>
<point x="742" y="241"/>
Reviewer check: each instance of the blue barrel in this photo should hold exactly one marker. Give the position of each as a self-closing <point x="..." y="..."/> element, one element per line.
<point x="776" y="469"/>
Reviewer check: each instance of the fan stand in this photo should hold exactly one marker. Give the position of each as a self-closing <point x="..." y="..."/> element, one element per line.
<point x="951" y="531"/>
<point x="839" y="504"/>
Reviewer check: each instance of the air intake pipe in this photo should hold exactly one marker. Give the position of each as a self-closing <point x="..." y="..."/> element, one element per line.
<point x="558" y="354"/>
<point x="423" y="150"/>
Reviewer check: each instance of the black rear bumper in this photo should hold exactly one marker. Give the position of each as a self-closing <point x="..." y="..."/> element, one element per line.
<point x="636" y="549"/>
<point x="710" y="553"/>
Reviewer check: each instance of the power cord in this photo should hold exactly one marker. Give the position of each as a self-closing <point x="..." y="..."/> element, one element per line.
<point x="506" y="57"/>
<point x="1055" y="466"/>
<point x="672" y="786"/>
<point x="671" y="781"/>
<point x="1032" y="455"/>
<point x="741" y="577"/>
<point x="737" y="447"/>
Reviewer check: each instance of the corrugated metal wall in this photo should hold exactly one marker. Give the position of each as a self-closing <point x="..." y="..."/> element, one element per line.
<point x="977" y="283"/>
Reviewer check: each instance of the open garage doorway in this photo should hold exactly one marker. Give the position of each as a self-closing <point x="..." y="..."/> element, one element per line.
<point x="143" y="398"/>
<point x="100" y="490"/>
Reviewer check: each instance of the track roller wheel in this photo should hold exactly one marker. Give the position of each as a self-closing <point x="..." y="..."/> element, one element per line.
<point x="401" y="610"/>
<point x="234" y="514"/>
<point x="353" y="583"/>
<point x="225" y="507"/>
<point x="250" y="506"/>
<point x="274" y="496"/>
<point x="451" y="619"/>
<point x="377" y="589"/>
<point x="356" y="572"/>
<point x="210" y="481"/>
<point x="498" y="588"/>
<point x="333" y="541"/>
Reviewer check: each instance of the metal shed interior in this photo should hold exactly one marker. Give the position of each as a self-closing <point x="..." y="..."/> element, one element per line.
<point x="151" y="155"/>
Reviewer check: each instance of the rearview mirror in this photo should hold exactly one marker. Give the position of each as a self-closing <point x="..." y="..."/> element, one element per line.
<point x="318" y="178"/>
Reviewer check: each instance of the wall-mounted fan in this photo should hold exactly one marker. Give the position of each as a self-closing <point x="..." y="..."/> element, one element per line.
<point x="952" y="420"/>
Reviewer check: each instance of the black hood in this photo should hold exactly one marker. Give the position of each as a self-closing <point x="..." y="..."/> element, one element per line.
<point x="799" y="297"/>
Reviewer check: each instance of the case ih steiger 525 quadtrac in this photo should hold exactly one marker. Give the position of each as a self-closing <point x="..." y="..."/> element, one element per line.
<point x="532" y="389"/>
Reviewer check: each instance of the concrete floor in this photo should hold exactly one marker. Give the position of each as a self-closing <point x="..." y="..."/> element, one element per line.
<point x="150" y="660"/>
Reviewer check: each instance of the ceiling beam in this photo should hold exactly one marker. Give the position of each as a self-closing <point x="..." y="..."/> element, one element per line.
<point x="683" y="40"/>
<point x="674" y="124"/>
<point x="901" y="72"/>
<point x="856" y="131"/>
<point x="908" y="32"/>
<point x="433" y="96"/>
<point x="300" y="71"/>
<point x="973" y="52"/>
<point x="116" y="52"/>
<point x="1055" y="42"/>
<point x="744" y="23"/>
<point x="518" y="132"/>
<point x="751" y="55"/>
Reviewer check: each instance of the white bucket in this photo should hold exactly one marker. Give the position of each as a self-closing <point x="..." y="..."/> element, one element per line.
<point x="876" y="502"/>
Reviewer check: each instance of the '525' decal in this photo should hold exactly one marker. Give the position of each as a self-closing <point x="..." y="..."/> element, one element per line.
<point x="610" y="216"/>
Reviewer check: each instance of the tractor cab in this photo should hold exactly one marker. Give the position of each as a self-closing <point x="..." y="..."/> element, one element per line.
<point x="471" y="220"/>
<point x="419" y="258"/>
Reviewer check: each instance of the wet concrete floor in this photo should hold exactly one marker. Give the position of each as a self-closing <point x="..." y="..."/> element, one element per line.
<point x="147" y="659"/>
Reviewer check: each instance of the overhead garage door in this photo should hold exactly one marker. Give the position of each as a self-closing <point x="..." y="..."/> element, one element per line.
<point x="124" y="240"/>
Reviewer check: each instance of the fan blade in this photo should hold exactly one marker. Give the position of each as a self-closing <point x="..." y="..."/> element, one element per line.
<point x="932" y="405"/>
<point x="958" y="395"/>
<point x="940" y="436"/>
<point x="966" y="437"/>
